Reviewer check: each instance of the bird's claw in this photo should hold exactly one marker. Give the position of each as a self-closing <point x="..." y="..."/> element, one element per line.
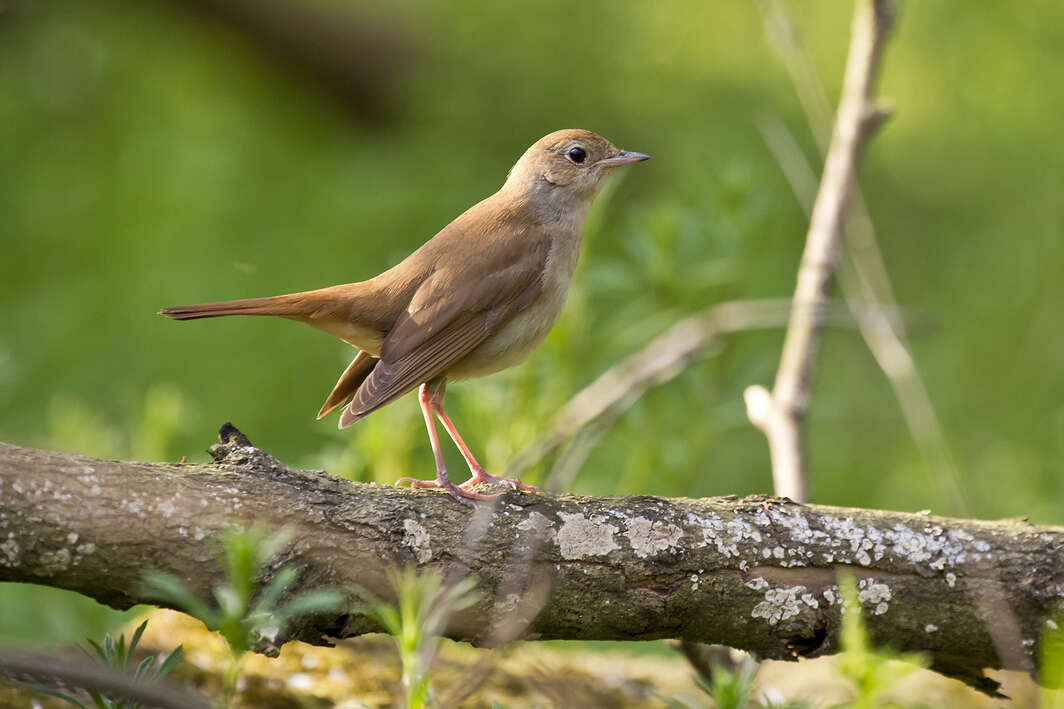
<point x="479" y="476"/>
<point x="457" y="492"/>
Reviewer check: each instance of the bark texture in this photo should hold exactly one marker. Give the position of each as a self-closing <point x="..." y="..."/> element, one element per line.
<point x="755" y="573"/>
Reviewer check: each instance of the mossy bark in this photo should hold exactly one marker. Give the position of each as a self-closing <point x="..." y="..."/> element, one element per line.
<point x="754" y="573"/>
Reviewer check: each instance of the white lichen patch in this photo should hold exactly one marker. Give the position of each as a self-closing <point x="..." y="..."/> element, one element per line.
<point x="9" y="553"/>
<point x="844" y="541"/>
<point x="508" y="604"/>
<point x="725" y="536"/>
<point x="779" y="604"/>
<point x="166" y="508"/>
<point x="581" y="536"/>
<point x="757" y="584"/>
<point x="874" y="596"/>
<point x="649" y="538"/>
<point x="417" y="538"/>
<point x="51" y="562"/>
<point x="539" y="525"/>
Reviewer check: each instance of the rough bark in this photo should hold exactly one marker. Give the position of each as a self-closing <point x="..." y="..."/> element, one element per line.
<point x="754" y="573"/>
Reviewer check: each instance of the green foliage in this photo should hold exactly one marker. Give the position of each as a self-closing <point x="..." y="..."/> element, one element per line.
<point x="155" y="157"/>
<point x="115" y="655"/>
<point x="242" y="612"/>
<point x="730" y="689"/>
<point x="129" y="190"/>
<point x="425" y="603"/>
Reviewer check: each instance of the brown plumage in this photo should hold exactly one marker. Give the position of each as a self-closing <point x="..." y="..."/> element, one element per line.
<point x="476" y="298"/>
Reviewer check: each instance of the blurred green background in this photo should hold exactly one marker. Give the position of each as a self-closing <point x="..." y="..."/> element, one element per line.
<point x="162" y="153"/>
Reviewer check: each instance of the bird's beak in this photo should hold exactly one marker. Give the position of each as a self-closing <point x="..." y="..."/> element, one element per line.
<point x="623" y="158"/>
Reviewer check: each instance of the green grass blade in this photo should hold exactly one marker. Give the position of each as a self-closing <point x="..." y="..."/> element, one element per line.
<point x="136" y="636"/>
<point x="170" y="662"/>
<point x="144" y="667"/>
<point x="55" y="693"/>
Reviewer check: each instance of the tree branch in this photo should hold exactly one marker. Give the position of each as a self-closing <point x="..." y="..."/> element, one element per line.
<point x="779" y="413"/>
<point x="752" y="573"/>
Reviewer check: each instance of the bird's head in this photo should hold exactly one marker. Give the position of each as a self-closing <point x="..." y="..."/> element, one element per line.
<point x="567" y="167"/>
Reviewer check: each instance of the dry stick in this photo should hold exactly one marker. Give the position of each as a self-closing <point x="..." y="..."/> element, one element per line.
<point x="779" y="413"/>
<point x="863" y="278"/>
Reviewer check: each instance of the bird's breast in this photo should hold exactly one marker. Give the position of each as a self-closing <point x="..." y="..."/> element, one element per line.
<point x="518" y="337"/>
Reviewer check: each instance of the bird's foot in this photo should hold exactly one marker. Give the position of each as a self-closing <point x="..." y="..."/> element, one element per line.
<point x="479" y="476"/>
<point x="442" y="481"/>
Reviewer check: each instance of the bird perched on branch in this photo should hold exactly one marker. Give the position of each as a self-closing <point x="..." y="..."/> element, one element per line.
<point x="476" y="298"/>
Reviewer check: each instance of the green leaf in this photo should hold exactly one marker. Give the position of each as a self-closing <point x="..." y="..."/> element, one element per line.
<point x="313" y="602"/>
<point x="170" y="662"/>
<point x="98" y="699"/>
<point x="101" y="652"/>
<point x="55" y="693"/>
<point x="267" y="600"/>
<point x="136" y="636"/>
<point x="231" y="603"/>
<point x="144" y="666"/>
<point x="168" y="588"/>
<point x="121" y="659"/>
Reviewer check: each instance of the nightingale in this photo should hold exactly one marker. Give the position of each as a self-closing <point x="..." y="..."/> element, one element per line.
<point x="474" y="299"/>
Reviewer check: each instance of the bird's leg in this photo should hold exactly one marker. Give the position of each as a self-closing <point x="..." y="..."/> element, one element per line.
<point x="479" y="474"/>
<point x="425" y="398"/>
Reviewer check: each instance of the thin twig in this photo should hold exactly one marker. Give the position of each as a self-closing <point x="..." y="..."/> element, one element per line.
<point x="779" y="414"/>
<point x="863" y="277"/>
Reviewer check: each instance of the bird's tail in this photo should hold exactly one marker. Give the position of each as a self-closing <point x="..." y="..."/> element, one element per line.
<point x="282" y="305"/>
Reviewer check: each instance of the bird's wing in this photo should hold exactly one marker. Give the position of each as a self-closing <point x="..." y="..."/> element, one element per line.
<point x="456" y="308"/>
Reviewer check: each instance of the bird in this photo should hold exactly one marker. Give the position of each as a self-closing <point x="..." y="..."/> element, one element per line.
<point x="476" y="298"/>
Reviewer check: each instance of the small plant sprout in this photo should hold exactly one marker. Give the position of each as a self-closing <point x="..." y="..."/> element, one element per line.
<point x="244" y="610"/>
<point x="1051" y="673"/>
<point x="425" y="603"/>
<point x="116" y="655"/>
<point x="729" y="688"/>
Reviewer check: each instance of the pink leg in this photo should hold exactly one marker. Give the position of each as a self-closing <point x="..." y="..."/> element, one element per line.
<point x="479" y="475"/>
<point x="425" y="398"/>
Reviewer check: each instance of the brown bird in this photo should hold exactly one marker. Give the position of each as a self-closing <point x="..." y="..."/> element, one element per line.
<point x="476" y="298"/>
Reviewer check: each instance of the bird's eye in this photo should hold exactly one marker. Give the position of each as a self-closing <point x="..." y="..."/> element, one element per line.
<point x="576" y="155"/>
